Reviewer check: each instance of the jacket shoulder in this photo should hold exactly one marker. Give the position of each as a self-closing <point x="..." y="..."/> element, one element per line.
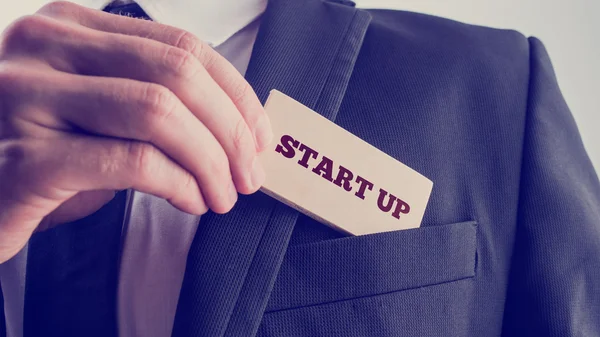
<point x="435" y="35"/>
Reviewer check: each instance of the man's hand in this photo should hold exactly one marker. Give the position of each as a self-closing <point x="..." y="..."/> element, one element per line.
<point x="92" y="102"/>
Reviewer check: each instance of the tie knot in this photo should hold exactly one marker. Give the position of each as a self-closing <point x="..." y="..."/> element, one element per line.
<point x="126" y="8"/>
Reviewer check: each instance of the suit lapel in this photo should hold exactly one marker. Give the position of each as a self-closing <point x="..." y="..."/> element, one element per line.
<point x="307" y="50"/>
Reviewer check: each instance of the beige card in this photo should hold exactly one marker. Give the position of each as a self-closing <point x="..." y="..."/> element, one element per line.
<point x="335" y="177"/>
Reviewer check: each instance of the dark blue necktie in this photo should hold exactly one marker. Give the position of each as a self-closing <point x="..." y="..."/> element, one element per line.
<point x="126" y="9"/>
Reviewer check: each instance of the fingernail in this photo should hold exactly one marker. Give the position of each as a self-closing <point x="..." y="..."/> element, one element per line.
<point x="258" y="173"/>
<point x="263" y="133"/>
<point x="233" y="195"/>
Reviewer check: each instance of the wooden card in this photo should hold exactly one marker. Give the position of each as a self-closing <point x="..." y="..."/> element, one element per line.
<point x="335" y="177"/>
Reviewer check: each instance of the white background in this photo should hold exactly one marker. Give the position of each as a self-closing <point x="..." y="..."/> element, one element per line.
<point x="570" y="29"/>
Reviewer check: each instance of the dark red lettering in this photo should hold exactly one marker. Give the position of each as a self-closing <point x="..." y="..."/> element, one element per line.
<point x="387" y="207"/>
<point x="344" y="177"/>
<point x="287" y="146"/>
<point x="401" y="207"/>
<point x="364" y="184"/>
<point x="325" y="166"/>
<point x="308" y="152"/>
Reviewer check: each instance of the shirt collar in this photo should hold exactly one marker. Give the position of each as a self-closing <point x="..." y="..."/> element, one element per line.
<point x="213" y="21"/>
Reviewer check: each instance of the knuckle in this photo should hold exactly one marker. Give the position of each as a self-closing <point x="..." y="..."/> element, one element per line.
<point x="15" y="100"/>
<point x="220" y="178"/>
<point x="107" y="166"/>
<point x="59" y="8"/>
<point x="188" y="182"/>
<point x="254" y="118"/>
<point x="111" y="159"/>
<point x="190" y="43"/>
<point x="9" y="80"/>
<point x="181" y="62"/>
<point x="13" y="152"/>
<point x="186" y="186"/>
<point x="240" y="92"/>
<point x="240" y="137"/>
<point x="160" y="102"/>
<point x="24" y="29"/>
<point x="218" y="166"/>
<point x="193" y="45"/>
<point x="14" y="156"/>
<point x="196" y="47"/>
<point x="142" y="157"/>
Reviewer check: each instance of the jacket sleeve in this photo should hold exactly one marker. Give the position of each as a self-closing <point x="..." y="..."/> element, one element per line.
<point x="554" y="282"/>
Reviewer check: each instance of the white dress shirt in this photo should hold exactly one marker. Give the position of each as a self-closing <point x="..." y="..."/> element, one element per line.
<point x="157" y="235"/>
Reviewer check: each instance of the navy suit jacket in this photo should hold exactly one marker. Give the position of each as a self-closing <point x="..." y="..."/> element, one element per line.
<point x="510" y="241"/>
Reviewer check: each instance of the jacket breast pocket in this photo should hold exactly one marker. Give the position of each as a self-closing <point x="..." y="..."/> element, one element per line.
<point x="364" y="266"/>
